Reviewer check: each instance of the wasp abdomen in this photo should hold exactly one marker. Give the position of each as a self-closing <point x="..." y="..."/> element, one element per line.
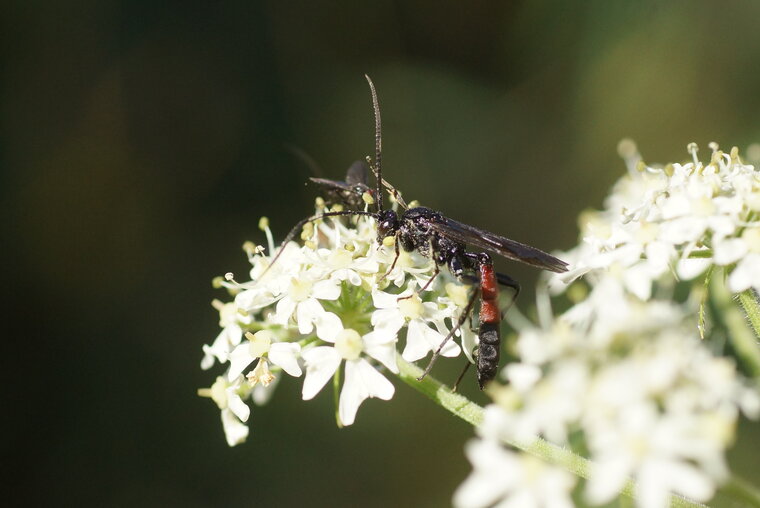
<point x="490" y="319"/>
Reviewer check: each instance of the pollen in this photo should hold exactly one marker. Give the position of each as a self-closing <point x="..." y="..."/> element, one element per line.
<point x="249" y="247"/>
<point x="692" y="148"/>
<point x="260" y="374"/>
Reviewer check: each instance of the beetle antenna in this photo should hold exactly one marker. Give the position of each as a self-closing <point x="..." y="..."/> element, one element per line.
<point x="378" y="145"/>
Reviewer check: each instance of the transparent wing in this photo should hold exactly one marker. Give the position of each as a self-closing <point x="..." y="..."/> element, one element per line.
<point x="358" y="173"/>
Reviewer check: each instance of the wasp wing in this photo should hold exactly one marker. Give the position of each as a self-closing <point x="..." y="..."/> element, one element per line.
<point x="505" y="247"/>
<point x="358" y="174"/>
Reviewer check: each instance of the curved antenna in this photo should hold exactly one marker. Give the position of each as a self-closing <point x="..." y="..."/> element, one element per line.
<point x="298" y="227"/>
<point x="378" y="145"/>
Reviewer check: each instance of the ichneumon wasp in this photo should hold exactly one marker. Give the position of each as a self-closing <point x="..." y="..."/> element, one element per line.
<point x="445" y="240"/>
<point x="350" y="191"/>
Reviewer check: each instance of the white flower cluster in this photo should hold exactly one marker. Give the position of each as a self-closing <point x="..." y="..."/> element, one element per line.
<point x="333" y="301"/>
<point x="680" y="217"/>
<point x="621" y="377"/>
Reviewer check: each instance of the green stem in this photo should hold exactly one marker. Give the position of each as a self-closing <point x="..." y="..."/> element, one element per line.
<point x="751" y="307"/>
<point x="742" y="338"/>
<point x="473" y="414"/>
<point x="742" y="491"/>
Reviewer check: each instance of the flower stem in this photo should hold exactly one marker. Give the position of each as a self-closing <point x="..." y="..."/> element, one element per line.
<point x="742" y="491"/>
<point x="742" y="338"/>
<point x="751" y="307"/>
<point x="472" y="413"/>
<point x="453" y="402"/>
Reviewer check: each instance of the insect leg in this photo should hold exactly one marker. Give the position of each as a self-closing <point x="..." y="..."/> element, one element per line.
<point x="460" y="322"/>
<point x="507" y="281"/>
<point x="461" y="376"/>
<point x="395" y="259"/>
<point x="423" y="288"/>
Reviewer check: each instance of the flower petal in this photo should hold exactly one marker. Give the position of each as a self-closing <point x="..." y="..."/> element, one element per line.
<point x="362" y="381"/>
<point x="326" y="290"/>
<point x="235" y="431"/>
<point x="382" y="349"/>
<point x="307" y="312"/>
<point x="421" y="339"/>
<point x="240" y="358"/>
<point x="285" y="355"/>
<point x="328" y="326"/>
<point x="321" y="364"/>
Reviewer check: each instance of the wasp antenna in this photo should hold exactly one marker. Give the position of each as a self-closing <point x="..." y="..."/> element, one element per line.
<point x="378" y="145"/>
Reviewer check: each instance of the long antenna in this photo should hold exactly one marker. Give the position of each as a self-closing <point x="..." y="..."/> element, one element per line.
<point x="378" y="145"/>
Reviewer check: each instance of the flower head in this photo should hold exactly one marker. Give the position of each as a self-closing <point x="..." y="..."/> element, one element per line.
<point x="333" y="302"/>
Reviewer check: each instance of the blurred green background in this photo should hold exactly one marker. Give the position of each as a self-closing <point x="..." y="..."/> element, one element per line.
<point x="141" y="142"/>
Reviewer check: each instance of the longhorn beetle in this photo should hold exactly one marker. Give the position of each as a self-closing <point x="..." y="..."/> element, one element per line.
<point x="444" y="240"/>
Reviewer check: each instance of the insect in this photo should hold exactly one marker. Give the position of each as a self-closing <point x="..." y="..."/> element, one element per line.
<point x="351" y="191"/>
<point x="445" y="240"/>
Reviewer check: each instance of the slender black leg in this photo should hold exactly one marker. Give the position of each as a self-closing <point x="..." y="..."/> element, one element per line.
<point x="462" y="319"/>
<point x="507" y="281"/>
<point x="423" y="288"/>
<point x="461" y="376"/>
<point x="398" y="253"/>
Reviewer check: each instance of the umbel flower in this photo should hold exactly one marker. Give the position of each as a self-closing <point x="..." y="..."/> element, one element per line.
<point x="681" y="218"/>
<point x="636" y="385"/>
<point x="634" y="373"/>
<point x="330" y="302"/>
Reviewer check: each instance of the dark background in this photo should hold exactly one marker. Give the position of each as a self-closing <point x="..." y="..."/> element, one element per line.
<point x="141" y="142"/>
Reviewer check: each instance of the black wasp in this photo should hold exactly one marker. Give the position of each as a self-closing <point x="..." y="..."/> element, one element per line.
<point x="444" y="240"/>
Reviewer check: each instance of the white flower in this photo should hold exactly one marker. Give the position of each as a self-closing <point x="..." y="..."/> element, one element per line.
<point x="362" y="380"/>
<point x="684" y="217"/>
<point x="269" y="281"/>
<point x="652" y="449"/>
<point x="413" y="264"/>
<point x="341" y="265"/>
<point x="633" y="381"/>
<point x="301" y="301"/>
<point x="234" y="412"/>
<point x="509" y="480"/>
<point x="259" y="346"/>
<point x="397" y="310"/>
<point x="231" y="319"/>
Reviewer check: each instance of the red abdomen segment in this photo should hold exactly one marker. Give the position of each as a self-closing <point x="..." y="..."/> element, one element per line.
<point x="488" y="332"/>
